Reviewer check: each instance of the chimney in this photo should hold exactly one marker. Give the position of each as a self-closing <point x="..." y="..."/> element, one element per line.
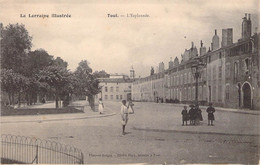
<point x="191" y="44"/>
<point x="215" y="31"/>
<point x="201" y="43"/>
<point x="246" y="15"/>
<point x="249" y="16"/>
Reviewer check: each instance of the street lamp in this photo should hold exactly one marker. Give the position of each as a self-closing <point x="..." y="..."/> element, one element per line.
<point x="196" y="70"/>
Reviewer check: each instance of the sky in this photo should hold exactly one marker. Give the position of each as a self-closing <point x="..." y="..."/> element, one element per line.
<point x="114" y="44"/>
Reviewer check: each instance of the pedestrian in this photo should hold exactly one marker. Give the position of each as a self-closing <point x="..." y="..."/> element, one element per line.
<point x="185" y="115"/>
<point x="192" y="115"/>
<point x="198" y="114"/>
<point x="100" y="106"/>
<point x="130" y="107"/>
<point x="210" y="111"/>
<point x="124" y="115"/>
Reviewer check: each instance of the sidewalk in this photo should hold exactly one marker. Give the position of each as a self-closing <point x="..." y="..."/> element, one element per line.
<point x="244" y="111"/>
<point x="88" y="113"/>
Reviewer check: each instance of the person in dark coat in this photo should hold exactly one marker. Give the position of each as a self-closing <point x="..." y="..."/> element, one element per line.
<point x="192" y="115"/>
<point x="198" y="113"/>
<point x="185" y="115"/>
<point x="210" y="111"/>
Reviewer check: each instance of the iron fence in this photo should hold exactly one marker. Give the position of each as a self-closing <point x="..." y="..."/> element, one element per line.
<point x="33" y="150"/>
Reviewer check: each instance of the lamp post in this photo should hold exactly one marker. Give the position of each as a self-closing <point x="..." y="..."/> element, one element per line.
<point x="196" y="70"/>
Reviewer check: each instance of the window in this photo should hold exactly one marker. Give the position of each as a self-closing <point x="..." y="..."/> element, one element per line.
<point x="220" y="55"/>
<point x="246" y="65"/>
<point x="185" y="78"/>
<point x="227" y="92"/>
<point x="121" y="97"/>
<point x="220" y="72"/>
<point x="111" y="89"/>
<point x="227" y="70"/>
<point x="214" y="93"/>
<point x="105" y="89"/>
<point x="214" y="73"/>
<point x="105" y="97"/>
<point x="189" y="77"/>
<point x="209" y="73"/>
<point x="117" y="97"/>
<point x="219" y="93"/>
<point x="235" y="70"/>
<point x="111" y="97"/>
<point x="117" y="89"/>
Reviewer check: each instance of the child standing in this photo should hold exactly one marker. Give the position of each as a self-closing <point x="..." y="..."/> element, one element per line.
<point x="124" y="115"/>
<point x="192" y="115"/>
<point x="210" y="111"/>
<point x="185" y="115"/>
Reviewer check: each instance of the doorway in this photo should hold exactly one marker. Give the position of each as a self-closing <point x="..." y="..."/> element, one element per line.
<point x="246" y="95"/>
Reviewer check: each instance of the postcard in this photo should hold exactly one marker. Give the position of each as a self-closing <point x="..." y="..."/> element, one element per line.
<point x="130" y="82"/>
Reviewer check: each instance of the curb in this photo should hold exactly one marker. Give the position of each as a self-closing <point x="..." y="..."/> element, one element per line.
<point x="192" y="132"/>
<point x="58" y="119"/>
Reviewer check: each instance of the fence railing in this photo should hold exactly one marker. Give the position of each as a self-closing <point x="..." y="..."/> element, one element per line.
<point x="32" y="150"/>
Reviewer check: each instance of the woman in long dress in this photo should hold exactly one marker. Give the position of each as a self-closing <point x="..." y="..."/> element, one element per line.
<point x="100" y="106"/>
<point x="124" y="116"/>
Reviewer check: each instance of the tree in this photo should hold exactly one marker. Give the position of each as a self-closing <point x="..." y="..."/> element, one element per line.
<point x="57" y="78"/>
<point x="37" y="60"/>
<point x="13" y="83"/>
<point x="101" y="74"/>
<point x="86" y="83"/>
<point x="60" y="62"/>
<point x="15" y="43"/>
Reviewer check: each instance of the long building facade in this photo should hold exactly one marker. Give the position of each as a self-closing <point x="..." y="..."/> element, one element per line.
<point x="230" y="76"/>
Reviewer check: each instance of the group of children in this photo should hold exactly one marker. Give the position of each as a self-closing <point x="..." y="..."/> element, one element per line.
<point x="194" y="115"/>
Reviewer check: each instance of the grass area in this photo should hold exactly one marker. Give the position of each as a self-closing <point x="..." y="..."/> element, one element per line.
<point x="8" y="111"/>
<point x="9" y="161"/>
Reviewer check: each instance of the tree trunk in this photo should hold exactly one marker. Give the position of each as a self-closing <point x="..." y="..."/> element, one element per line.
<point x="19" y="99"/>
<point x="9" y="99"/>
<point x="91" y="102"/>
<point x="13" y="101"/>
<point x="57" y="101"/>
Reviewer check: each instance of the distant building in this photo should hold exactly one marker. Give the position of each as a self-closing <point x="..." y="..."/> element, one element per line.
<point x="116" y="87"/>
<point x="149" y="88"/>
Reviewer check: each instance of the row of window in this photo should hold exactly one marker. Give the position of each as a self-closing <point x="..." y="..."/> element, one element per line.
<point x="112" y="97"/>
<point x="112" y="89"/>
<point x="183" y="79"/>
